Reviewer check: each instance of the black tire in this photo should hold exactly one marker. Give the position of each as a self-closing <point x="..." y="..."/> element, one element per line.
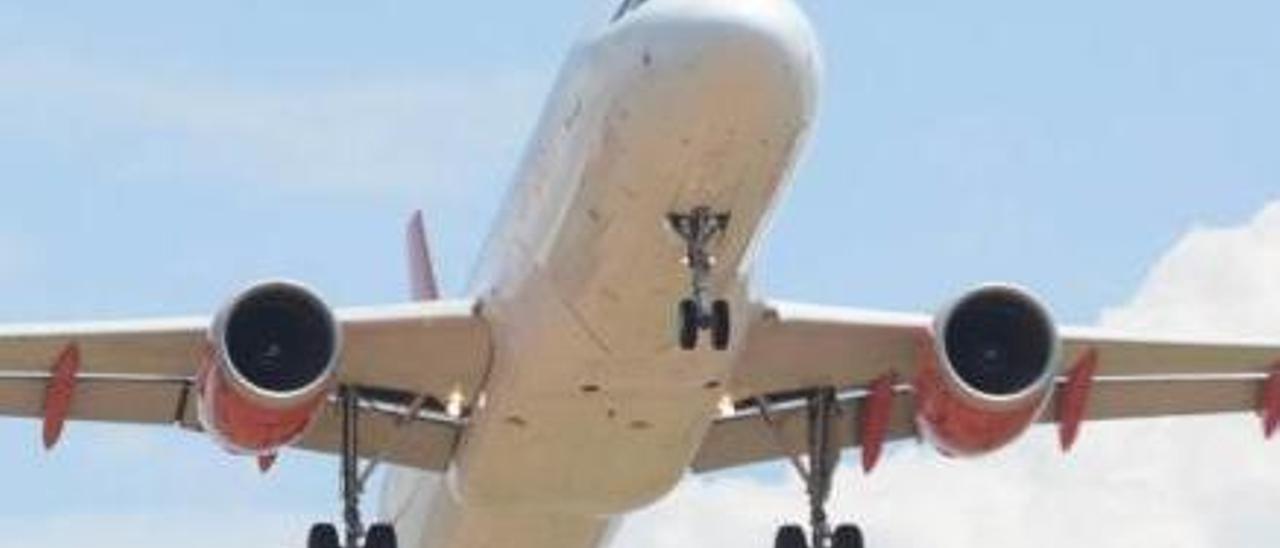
<point x="721" y="323"/>
<point x="323" y="535"/>
<point x="847" y="536"/>
<point x="790" y="536"/>
<point x="380" y="535"/>
<point x="687" y="318"/>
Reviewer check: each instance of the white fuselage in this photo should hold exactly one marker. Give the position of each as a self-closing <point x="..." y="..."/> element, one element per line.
<point x="590" y="409"/>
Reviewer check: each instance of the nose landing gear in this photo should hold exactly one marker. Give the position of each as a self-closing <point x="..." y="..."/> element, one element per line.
<point x="698" y="313"/>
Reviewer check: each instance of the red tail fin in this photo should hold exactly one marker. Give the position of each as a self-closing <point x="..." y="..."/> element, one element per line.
<point x="422" y="276"/>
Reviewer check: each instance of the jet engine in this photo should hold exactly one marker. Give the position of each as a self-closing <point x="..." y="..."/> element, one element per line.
<point x="989" y="372"/>
<point x="271" y="360"/>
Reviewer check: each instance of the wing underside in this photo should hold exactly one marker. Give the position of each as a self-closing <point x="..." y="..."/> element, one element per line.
<point x="792" y="349"/>
<point x="405" y="361"/>
<point x="409" y="360"/>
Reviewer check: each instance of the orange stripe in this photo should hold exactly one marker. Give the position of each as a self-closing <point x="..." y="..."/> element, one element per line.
<point x="59" y="393"/>
<point x="1075" y="398"/>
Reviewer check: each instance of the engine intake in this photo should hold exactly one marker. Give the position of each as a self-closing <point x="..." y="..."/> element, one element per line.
<point x="998" y="341"/>
<point x="990" y="370"/>
<point x="273" y="355"/>
<point x="279" y="338"/>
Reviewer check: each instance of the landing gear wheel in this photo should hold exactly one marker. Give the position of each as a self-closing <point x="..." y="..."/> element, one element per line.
<point x="688" y="324"/>
<point x="380" y="535"/>
<point x="847" y="536"/>
<point x="699" y="228"/>
<point x="823" y="409"/>
<point x="720" y="325"/>
<point x="323" y="535"/>
<point x="790" y="536"/>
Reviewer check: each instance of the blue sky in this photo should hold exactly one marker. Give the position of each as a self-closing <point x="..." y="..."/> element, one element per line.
<point x="156" y="156"/>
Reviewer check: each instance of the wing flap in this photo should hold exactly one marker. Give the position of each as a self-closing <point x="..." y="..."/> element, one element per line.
<point x="123" y="401"/>
<point x="748" y="439"/>
<point x="426" y="444"/>
<point x="1134" y="398"/>
<point x="422" y="442"/>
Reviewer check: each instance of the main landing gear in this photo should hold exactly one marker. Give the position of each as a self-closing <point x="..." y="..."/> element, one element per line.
<point x="325" y="535"/>
<point x="824" y="455"/>
<point x="698" y="313"/>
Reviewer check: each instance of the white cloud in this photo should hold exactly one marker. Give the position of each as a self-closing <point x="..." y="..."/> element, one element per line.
<point x="339" y="132"/>
<point x="1213" y="281"/>
<point x="1202" y="482"/>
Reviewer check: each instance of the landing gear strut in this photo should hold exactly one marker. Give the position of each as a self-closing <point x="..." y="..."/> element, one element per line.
<point x="325" y="535"/>
<point x="824" y="455"/>
<point x="697" y="313"/>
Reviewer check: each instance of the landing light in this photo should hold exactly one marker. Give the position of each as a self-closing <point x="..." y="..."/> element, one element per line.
<point x="726" y="407"/>
<point x="454" y="404"/>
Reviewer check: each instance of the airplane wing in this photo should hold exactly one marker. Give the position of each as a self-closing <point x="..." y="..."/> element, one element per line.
<point x="791" y="348"/>
<point x="142" y="372"/>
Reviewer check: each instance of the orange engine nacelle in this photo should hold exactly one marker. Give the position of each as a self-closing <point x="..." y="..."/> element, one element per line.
<point x="270" y="364"/>
<point x="989" y="371"/>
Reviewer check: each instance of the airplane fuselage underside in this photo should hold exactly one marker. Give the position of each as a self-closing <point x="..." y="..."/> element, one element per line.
<point x="591" y="410"/>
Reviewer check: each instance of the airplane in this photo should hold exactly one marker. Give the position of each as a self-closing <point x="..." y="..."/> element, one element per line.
<point x="611" y="342"/>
